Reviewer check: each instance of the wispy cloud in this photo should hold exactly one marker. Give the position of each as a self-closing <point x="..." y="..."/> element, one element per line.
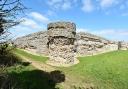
<point x="29" y="23"/>
<point x="87" y="6"/>
<point x="107" y="3"/>
<point x="104" y="32"/>
<point x="39" y="17"/>
<point x="21" y="30"/>
<point x="66" y="5"/>
<point x="34" y="22"/>
<point x="106" y="6"/>
<point x="50" y="13"/>
<point x="82" y="30"/>
<point x="116" y="32"/>
<point x="125" y="14"/>
<point x="111" y="34"/>
<point x="119" y="32"/>
<point x="61" y="4"/>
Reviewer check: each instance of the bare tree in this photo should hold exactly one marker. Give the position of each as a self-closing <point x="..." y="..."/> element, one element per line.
<point x="10" y="13"/>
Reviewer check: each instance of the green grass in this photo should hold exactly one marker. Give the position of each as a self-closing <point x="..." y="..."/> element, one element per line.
<point x="104" y="71"/>
<point x="22" y="75"/>
<point x="27" y="77"/>
<point x="107" y="71"/>
<point x="30" y="56"/>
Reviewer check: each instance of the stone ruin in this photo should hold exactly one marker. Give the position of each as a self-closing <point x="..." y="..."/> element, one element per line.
<point x="61" y="38"/>
<point x="122" y="45"/>
<point x="62" y="44"/>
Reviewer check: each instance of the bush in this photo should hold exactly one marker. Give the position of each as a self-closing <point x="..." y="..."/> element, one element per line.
<point x="7" y="81"/>
<point x="7" y="58"/>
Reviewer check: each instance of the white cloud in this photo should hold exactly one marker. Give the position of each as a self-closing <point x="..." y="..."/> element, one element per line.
<point x="104" y="32"/>
<point x="125" y="14"/>
<point x="55" y="4"/>
<point x="82" y="30"/>
<point x="61" y="4"/>
<point x="108" y="7"/>
<point x="117" y="32"/>
<point x="52" y="2"/>
<point x="107" y="3"/>
<point x="29" y="23"/>
<point x="122" y="7"/>
<point x="34" y="22"/>
<point x="20" y="30"/>
<point x="119" y="7"/>
<point x="111" y="34"/>
<point x="87" y="6"/>
<point x="66" y="5"/>
<point x="39" y="17"/>
<point x="51" y="13"/>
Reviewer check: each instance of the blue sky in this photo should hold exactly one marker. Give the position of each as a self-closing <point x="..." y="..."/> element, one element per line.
<point x="107" y="18"/>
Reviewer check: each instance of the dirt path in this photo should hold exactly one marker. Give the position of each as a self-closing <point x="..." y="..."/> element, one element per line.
<point x="70" y="81"/>
<point x="39" y="65"/>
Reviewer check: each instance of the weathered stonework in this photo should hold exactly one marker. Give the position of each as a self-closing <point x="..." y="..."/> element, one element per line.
<point x="35" y="43"/>
<point x="61" y="38"/>
<point x="122" y="45"/>
<point x="62" y="44"/>
<point x="88" y="44"/>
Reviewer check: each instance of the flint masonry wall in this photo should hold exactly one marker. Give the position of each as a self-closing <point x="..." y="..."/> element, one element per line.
<point x="122" y="45"/>
<point x="35" y="43"/>
<point x="89" y="44"/>
<point x="61" y="38"/>
<point x="85" y="43"/>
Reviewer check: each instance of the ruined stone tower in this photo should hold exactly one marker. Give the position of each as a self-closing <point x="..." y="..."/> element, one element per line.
<point x="61" y="37"/>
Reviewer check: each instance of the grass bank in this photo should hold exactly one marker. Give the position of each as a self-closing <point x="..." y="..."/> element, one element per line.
<point x="21" y="52"/>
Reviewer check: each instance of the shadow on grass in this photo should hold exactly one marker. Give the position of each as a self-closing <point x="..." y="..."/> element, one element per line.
<point x="10" y="59"/>
<point x="26" y="79"/>
<point x="36" y="79"/>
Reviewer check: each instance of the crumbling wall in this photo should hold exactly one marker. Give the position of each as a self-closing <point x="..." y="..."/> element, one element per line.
<point x="61" y="38"/>
<point x="122" y="45"/>
<point x="85" y="43"/>
<point x="88" y="44"/>
<point x="35" y="43"/>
